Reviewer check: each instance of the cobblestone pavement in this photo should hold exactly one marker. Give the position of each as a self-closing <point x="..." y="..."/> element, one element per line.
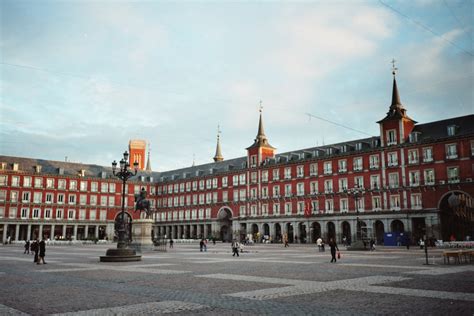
<point x="265" y="280"/>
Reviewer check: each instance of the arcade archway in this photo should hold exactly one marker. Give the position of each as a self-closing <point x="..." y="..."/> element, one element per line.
<point x="456" y="215"/>
<point x="224" y="220"/>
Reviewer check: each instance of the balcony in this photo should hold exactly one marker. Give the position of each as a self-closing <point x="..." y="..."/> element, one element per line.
<point x="453" y="180"/>
<point x="451" y="156"/>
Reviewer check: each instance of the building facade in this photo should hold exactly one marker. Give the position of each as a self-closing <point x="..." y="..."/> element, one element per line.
<point x="412" y="179"/>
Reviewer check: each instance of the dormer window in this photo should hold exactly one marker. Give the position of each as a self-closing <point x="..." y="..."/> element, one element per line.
<point x="414" y="137"/>
<point x="358" y="146"/>
<point x="343" y="148"/>
<point x="452" y="130"/>
<point x="391" y="137"/>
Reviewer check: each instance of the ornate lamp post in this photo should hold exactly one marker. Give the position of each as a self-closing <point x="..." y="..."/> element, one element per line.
<point x="123" y="174"/>
<point x="357" y="192"/>
<point x="122" y="252"/>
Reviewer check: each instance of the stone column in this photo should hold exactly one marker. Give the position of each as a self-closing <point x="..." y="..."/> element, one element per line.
<point x="5" y="230"/>
<point x="52" y="232"/>
<point x="206" y="230"/>
<point x="96" y="231"/>
<point x="17" y="231"/>
<point x="199" y="231"/>
<point x="192" y="231"/>
<point x="64" y="230"/>
<point x="75" y="232"/>
<point x="86" y="231"/>
<point x="296" y="231"/>
<point x="40" y="232"/>
<point x="180" y="232"/>
<point x="28" y="233"/>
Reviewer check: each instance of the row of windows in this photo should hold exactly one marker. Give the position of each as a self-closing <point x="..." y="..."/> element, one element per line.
<point x="37" y="213"/>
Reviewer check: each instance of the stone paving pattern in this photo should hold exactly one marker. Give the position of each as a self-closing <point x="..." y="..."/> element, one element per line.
<point x="265" y="279"/>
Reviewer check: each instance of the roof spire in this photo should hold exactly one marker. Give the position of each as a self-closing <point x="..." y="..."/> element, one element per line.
<point x="148" y="163"/>
<point x="218" y="156"/>
<point x="395" y="96"/>
<point x="261" y="140"/>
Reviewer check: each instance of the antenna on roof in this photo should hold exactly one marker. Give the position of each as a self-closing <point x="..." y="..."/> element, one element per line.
<point x="65" y="158"/>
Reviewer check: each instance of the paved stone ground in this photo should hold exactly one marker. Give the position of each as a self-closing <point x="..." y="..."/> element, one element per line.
<point x="265" y="280"/>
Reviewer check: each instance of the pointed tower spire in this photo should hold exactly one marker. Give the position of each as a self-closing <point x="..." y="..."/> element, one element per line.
<point x="395" y="96"/>
<point x="261" y="140"/>
<point x="218" y="156"/>
<point x="148" y="163"/>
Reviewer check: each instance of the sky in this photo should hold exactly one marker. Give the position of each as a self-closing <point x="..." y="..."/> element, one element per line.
<point x="79" y="79"/>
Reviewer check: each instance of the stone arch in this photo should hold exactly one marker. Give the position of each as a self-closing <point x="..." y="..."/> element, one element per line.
<point x="346" y="231"/>
<point x="397" y="226"/>
<point x="315" y="231"/>
<point x="379" y="229"/>
<point x="224" y="221"/>
<point x="331" y="230"/>
<point x="127" y="217"/>
<point x="456" y="215"/>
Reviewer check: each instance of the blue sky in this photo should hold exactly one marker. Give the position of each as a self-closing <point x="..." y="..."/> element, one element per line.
<point x="81" y="78"/>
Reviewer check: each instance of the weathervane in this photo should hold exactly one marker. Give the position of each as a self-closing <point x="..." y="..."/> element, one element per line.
<point x="260" y="107"/>
<point x="394" y="69"/>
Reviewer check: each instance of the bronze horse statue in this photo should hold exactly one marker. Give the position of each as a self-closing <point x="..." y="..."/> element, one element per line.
<point x="142" y="204"/>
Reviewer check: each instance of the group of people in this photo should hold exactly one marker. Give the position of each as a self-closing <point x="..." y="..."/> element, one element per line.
<point x="38" y="249"/>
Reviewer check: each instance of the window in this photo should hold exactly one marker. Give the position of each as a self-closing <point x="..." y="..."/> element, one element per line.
<point x="188" y="184"/>
<point x="313" y="169"/>
<point x="344" y="203"/>
<point x="315" y="206"/>
<point x="451" y="151"/>
<point x="83" y="186"/>
<point x="416" y="201"/>
<point x="201" y="199"/>
<point x="358" y="164"/>
<point x="391" y="137"/>
<point x="412" y="156"/>
<point x="103" y="201"/>
<point x="472" y="147"/>
<point x="73" y="185"/>
<point x="265" y="209"/>
<point x="60" y="198"/>
<point x="276" y="174"/>
<point x="103" y="215"/>
<point x="13" y="196"/>
<point x="265" y="176"/>
<point x="342" y="164"/>
<point x="429" y="177"/>
<point x="37" y="197"/>
<point x="92" y="215"/>
<point x="374" y="161"/>
<point x="452" y="130"/>
<point x="3" y="180"/>
<point x="59" y="214"/>
<point x="413" y="137"/>
<point x="242" y="195"/>
<point x="287" y="173"/>
<point x="393" y="180"/>
<point x="208" y="185"/>
<point x="225" y="197"/>
<point x="342" y="184"/>
<point x="235" y="180"/>
<point x="395" y="202"/>
<point x="427" y="154"/>
<point x="104" y="187"/>
<point x="374" y="182"/>
<point x="376" y="203"/>
<point x="72" y="199"/>
<point x="253" y="177"/>
<point x="392" y="159"/>
<point x="94" y="186"/>
<point x="112" y="187"/>
<point x="359" y="182"/>
<point x="2" y="212"/>
<point x="253" y="161"/>
<point x="50" y="183"/>
<point x="82" y="214"/>
<point x="300" y="189"/>
<point x="25" y="212"/>
<point x="25" y="197"/>
<point x="329" y="206"/>
<point x="111" y="201"/>
<point x="300" y="208"/>
<point x="414" y="178"/>
<point x="93" y="200"/>
<point x="82" y="199"/>
<point x="12" y="211"/>
<point x="242" y="178"/>
<point x="3" y="195"/>
<point x="276" y="191"/>
<point x="47" y="213"/>
<point x="313" y="187"/>
<point x="253" y="210"/>
<point x="194" y="186"/>
<point x="276" y="209"/>
<point x="38" y="182"/>
<point x="242" y="211"/>
<point x="300" y="171"/>
<point x="453" y="174"/>
<point x="208" y="198"/>
<point x="15" y="181"/>
<point x="328" y="167"/>
<point x="287" y="189"/>
<point x="214" y="184"/>
<point x="328" y="186"/>
<point x="27" y="182"/>
<point x="71" y="214"/>
<point x="288" y="208"/>
<point x="264" y="192"/>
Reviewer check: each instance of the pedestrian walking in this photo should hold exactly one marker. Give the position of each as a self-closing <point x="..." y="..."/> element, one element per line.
<point x="235" y="248"/>
<point x="27" y="247"/>
<point x="42" y="251"/>
<point x="333" y="246"/>
<point x="372" y="245"/>
<point x="202" y="245"/>
<point x="35" y="249"/>
<point x="319" y="242"/>
<point x="171" y="243"/>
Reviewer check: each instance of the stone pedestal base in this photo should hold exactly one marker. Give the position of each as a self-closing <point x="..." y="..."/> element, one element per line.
<point x="120" y="255"/>
<point x="357" y="245"/>
<point x="141" y="235"/>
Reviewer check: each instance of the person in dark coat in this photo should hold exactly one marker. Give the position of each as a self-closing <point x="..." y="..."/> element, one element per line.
<point x="34" y="248"/>
<point x="42" y="251"/>
<point x="332" y="244"/>
<point x="27" y="247"/>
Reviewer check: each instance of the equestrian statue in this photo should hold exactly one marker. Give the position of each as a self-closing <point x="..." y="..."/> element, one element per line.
<point x="142" y="204"/>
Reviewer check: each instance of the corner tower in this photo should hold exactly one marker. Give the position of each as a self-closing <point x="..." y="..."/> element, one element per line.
<point x="218" y="156"/>
<point x="261" y="148"/>
<point x="136" y="148"/>
<point x="396" y="126"/>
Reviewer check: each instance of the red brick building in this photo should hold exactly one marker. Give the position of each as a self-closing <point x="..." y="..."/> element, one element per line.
<point x="412" y="179"/>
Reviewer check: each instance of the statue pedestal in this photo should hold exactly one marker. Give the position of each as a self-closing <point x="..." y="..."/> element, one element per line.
<point x="141" y="235"/>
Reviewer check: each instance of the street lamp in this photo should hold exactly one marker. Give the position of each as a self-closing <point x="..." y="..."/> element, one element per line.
<point x="122" y="252"/>
<point x="357" y="192"/>
<point x="123" y="174"/>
